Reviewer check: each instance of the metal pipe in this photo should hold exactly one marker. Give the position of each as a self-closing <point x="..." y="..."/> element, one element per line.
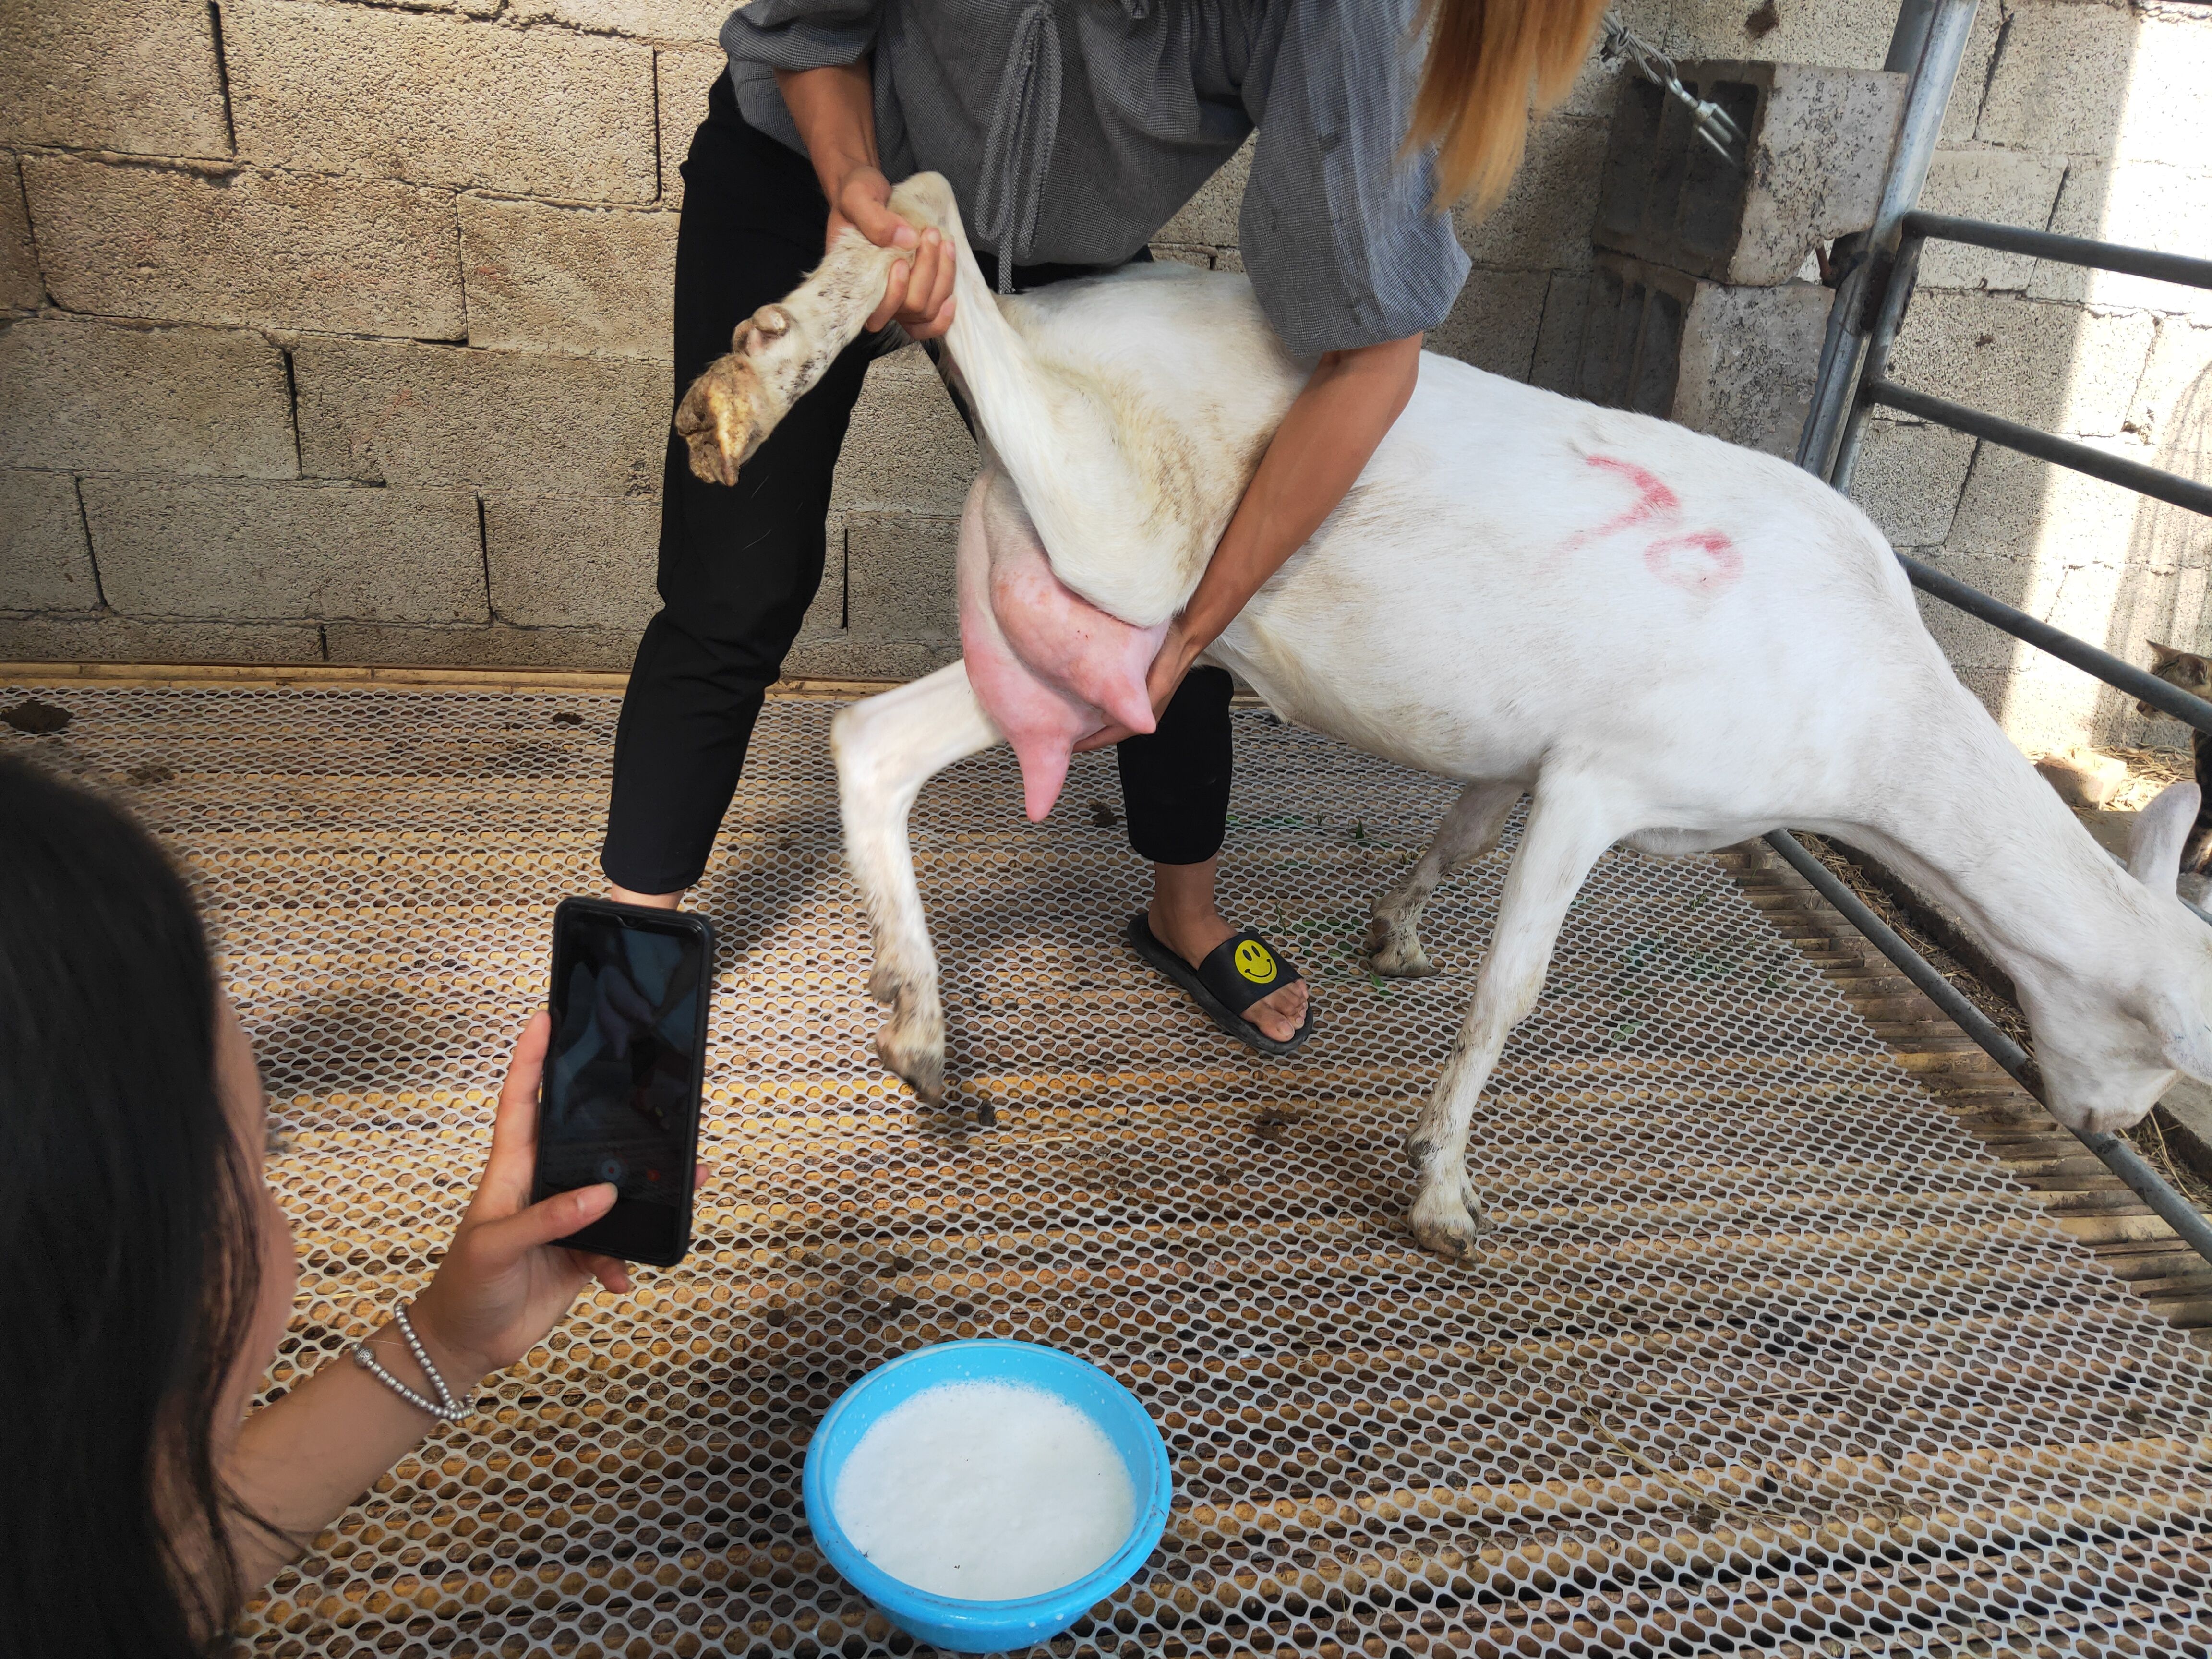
<point x="2067" y="250"/>
<point x="2122" y="675"/>
<point x="2029" y="440"/>
<point x="1896" y="297"/>
<point x="2121" y="1159"/>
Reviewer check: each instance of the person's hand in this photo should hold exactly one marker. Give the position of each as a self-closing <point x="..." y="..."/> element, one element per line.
<point x="918" y="292"/>
<point x="504" y="1284"/>
<point x="1169" y="664"/>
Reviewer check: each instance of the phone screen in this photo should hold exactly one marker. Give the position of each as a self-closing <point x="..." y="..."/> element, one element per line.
<point x="620" y="1101"/>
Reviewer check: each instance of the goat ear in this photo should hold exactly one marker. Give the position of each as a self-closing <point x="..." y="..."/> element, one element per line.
<point x="2161" y="655"/>
<point x="2190" y="1051"/>
<point x="2161" y="829"/>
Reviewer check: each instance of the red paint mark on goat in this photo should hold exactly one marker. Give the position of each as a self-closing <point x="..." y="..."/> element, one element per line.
<point x="1653" y="500"/>
<point x="1657" y="505"/>
<point x="1722" y="565"/>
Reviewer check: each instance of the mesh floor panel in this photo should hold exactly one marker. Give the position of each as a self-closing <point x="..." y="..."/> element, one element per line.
<point x="1765" y="1354"/>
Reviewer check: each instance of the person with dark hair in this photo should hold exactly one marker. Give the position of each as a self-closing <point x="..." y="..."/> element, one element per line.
<point x="149" y="1273"/>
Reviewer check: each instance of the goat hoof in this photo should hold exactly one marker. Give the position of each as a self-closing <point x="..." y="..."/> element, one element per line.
<point x="719" y="420"/>
<point x="1444" y="1224"/>
<point x="915" y="1050"/>
<point x="1395" y="952"/>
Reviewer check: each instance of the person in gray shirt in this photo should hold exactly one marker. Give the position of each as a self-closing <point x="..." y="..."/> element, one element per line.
<point x="1070" y="130"/>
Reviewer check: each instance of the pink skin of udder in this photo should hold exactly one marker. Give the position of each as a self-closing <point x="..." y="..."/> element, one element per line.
<point x="1048" y="668"/>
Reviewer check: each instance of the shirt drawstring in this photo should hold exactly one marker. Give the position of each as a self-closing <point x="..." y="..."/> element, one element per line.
<point x="1017" y="151"/>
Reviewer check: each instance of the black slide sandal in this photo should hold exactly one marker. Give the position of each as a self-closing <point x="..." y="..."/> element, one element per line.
<point x="1227" y="983"/>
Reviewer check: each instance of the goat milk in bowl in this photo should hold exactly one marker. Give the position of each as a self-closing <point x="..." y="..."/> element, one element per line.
<point x="989" y="1492"/>
<point x="986" y="1495"/>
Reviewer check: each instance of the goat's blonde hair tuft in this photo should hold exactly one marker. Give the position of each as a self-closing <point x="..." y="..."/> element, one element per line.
<point x="1492" y="66"/>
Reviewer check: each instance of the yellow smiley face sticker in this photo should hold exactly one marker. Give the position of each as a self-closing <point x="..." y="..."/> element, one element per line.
<point x="1254" y="962"/>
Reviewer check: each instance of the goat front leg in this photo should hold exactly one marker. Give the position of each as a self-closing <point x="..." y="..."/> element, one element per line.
<point x="1568" y="829"/>
<point x="886" y="748"/>
<point x="1470" y="831"/>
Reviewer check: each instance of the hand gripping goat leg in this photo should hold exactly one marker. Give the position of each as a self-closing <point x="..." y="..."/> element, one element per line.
<point x="1657" y="638"/>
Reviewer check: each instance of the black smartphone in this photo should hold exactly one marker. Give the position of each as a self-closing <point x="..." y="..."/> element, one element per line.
<point x="626" y="1072"/>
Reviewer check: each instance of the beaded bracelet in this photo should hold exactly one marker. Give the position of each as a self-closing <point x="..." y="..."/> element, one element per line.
<point x="445" y="1408"/>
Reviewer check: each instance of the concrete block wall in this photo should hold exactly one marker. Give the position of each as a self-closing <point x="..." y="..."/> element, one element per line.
<point x="331" y="331"/>
<point x="336" y="332"/>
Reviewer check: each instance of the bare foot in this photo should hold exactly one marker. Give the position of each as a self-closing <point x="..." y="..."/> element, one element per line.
<point x="651" y="901"/>
<point x="1183" y="917"/>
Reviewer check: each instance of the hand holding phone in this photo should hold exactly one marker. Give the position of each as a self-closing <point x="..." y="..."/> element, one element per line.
<point x="626" y="1072"/>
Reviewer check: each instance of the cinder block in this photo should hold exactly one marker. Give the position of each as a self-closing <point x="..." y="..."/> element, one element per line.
<point x="2005" y="186"/>
<point x="442" y="100"/>
<point x="2055" y="367"/>
<point x="1737" y="362"/>
<point x="105" y="637"/>
<point x="1209" y="218"/>
<point x="20" y="285"/>
<point x="899" y="579"/>
<point x="650" y="20"/>
<point x="385" y="413"/>
<point x="1632" y="342"/>
<point x="1969" y="643"/>
<point x="137" y="76"/>
<point x="2049" y="519"/>
<point x="44" y="564"/>
<point x="906" y="451"/>
<point x="1849" y="37"/>
<point x="1749" y="356"/>
<point x="2173" y="402"/>
<point x="681" y="79"/>
<point x="1908" y="480"/>
<point x="2062" y="84"/>
<point x="1594" y="90"/>
<point x="2142" y="204"/>
<point x="590" y="280"/>
<point x="1854" y="37"/>
<point x="2076" y="80"/>
<point x="1543" y="224"/>
<point x="250" y="248"/>
<point x="174" y="548"/>
<point x="568" y="561"/>
<point x="398" y="645"/>
<point x="1559" y="335"/>
<point x="96" y="397"/>
<point x="1819" y="141"/>
<point x="1184" y="253"/>
<point x="1494" y="323"/>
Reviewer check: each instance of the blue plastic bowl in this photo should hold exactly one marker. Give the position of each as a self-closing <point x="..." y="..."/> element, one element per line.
<point x="946" y="1621"/>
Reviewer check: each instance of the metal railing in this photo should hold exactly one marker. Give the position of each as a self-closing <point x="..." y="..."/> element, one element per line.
<point x="1879" y="272"/>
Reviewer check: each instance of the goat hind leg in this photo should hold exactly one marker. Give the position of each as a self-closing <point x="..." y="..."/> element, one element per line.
<point x="776" y="354"/>
<point x="886" y="748"/>
<point x="1568" y="829"/>
<point x="1469" y="831"/>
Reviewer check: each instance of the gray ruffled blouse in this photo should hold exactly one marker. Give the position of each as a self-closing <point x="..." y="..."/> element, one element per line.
<point x="1072" y="130"/>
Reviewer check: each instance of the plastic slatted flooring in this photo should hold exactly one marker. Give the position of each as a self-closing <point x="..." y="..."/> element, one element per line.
<point x="1766" y="1354"/>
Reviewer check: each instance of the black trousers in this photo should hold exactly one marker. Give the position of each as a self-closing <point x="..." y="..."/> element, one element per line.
<point x="740" y="566"/>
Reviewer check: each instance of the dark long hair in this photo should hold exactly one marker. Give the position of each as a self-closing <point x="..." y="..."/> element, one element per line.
<point x="128" y="1261"/>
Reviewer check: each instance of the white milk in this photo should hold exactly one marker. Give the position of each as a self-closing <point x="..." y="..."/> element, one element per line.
<point x="985" y="1490"/>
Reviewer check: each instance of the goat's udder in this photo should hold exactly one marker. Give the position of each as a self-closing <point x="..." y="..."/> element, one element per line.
<point x="1050" y="668"/>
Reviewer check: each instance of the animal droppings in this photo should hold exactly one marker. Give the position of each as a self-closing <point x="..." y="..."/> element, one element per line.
<point x="35" y="718"/>
<point x="985" y="1490"/>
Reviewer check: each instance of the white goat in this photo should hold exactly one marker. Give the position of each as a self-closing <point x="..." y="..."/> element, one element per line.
<point x="1661" y="638"/>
